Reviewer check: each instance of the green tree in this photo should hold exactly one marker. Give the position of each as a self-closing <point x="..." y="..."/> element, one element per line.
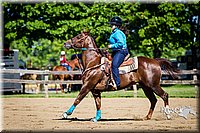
<point x="164" y="29"/>
<point x="39" y="30"/>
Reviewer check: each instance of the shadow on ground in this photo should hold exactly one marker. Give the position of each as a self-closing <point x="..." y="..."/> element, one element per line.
<point x="89" y="119"/>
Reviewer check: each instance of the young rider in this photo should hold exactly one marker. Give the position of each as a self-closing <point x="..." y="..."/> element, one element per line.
<point x="64" y="62"/>
<point x="119" y="48"/>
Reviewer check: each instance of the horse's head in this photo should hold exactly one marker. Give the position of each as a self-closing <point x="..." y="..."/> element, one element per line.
<point x="79" y="41"/>
<point x="85" y="42"/>
<point x="76" y="60"/>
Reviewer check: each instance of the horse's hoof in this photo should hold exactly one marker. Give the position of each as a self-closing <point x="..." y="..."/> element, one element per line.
<point x="93" y="120"/>
<point x="146" y="118"/>
<point x="168" y="117"/>
<point x="65" y="115"/>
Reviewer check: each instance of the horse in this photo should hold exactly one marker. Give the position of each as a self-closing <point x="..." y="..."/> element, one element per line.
<point x="74" y="63"/>
<point x="31" y="77"/>
<point x="148" y="75"/>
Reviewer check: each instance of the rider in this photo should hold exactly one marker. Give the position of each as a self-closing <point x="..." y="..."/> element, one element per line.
<point x="64" y="62"/>
<point x="119" y="48"/>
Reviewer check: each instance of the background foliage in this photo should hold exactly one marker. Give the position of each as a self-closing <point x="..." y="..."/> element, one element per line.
<point x="39" y="30"/>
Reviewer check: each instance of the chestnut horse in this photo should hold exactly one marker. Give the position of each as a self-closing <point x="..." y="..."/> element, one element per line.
<point x="74" y="62"/>
<point x="148" y="75"/>
<point x="31" y="77"/>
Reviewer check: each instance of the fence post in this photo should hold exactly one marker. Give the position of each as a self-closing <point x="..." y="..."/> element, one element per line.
<point x="196" y="86"/>
<point x="195" y="77"/>
<point x="135" y="91"/>
<point x="46" y="85"/>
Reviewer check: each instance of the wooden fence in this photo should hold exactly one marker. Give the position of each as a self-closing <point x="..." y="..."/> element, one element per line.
<point x="194" y="81"/>
<point x="45" y="73"/>
<point x="46" y="81"/>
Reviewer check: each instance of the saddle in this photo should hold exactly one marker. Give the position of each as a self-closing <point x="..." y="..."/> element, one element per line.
<point x="129" y="65"/>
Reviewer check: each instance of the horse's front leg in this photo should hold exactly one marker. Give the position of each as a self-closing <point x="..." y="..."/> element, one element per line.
<point x="62" y="88"/>
<point x="61" y="85"/>
<point x="97" y="97"/>
<point x="83" y="92"/>
<point x="90" y="80"/>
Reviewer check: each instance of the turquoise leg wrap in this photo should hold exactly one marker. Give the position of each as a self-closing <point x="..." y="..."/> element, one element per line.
<point x="84" y="49"/>
<point x="98" y="115"/>
<point x="71" y="109"/>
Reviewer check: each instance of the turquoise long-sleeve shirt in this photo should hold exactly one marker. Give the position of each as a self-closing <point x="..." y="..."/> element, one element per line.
<point x="117" y="39"/>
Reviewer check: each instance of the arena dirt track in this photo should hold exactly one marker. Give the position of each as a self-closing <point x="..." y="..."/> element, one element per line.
<point x="118" y="114"/>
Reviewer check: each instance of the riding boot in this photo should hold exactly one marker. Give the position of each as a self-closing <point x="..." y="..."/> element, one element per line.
<point x="112" y="85"/>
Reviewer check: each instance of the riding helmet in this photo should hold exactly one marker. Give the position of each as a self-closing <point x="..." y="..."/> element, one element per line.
<point x="62" y="52"/>
<point x="116" y="21"/>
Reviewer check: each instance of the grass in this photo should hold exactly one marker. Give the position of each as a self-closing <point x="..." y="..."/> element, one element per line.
<point x="186" y="91"/>
<point x="177" y="91"/>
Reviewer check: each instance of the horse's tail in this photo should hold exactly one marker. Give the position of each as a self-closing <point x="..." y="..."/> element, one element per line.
<point x="168" y="67"/>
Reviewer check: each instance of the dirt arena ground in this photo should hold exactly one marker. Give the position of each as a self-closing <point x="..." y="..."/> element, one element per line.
<point x="118" y="114"/>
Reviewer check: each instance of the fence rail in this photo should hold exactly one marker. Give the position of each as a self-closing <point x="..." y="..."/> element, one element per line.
<point x="186" y="72"/>
<point x="194" y="81"/>
<point x="45" y="80"/>
<point x="41" y="81"/>
<point x="41" y="72"/>
<point x="183" y="82"/>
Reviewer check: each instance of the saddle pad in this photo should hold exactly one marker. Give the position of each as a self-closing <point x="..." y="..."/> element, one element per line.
<point x="129" y="68"/>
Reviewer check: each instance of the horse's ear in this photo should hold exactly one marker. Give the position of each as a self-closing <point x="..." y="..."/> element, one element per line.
<point x="86" y="31"/>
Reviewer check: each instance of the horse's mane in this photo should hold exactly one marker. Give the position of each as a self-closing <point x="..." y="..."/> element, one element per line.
<point x="99" y="50"/>
<point x="102" y="52"/>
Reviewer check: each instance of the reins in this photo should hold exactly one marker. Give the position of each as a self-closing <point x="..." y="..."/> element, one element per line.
<point x="92" y="68"/>
<point x="98" y="50"/>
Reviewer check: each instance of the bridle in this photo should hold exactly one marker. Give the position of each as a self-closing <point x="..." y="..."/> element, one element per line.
<point x="83" y="46"/>
<point x="83" y="43"/>
<point x="80" y="41"/>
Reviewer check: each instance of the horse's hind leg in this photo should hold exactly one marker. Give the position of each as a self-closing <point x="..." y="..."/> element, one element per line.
<point x="164" y="95"/>
<point x="152" y="98"/>
<point x="69" y="88"/>
<point x="62" y="88"/>
<point x="97" y="97"/>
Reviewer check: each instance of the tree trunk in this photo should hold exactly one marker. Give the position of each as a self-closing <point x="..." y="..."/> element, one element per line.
<point x="194" y="57"/>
